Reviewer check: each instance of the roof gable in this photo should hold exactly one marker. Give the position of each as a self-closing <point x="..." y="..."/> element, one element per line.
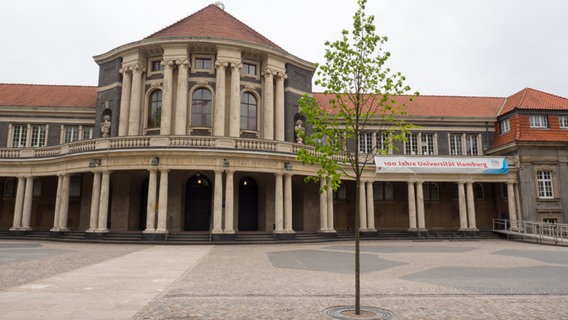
<point x="213" y="22"/>
<point x="531" y="99"/>
<point x="31" y="95"/>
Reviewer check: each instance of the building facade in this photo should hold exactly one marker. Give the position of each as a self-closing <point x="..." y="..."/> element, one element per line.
<point x="192" y="129"/>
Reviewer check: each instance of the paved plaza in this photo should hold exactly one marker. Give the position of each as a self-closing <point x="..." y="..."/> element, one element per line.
<point x="488" y="279"/>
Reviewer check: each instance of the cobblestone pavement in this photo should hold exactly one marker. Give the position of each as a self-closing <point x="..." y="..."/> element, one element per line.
<point x="489" y="279"/>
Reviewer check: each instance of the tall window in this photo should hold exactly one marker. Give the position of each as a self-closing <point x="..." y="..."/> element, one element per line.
<point x="39" y="135"/>
<point x="19" y="134"/>
<point x="10" y="188"/>
<point x="479" y="191"/>
<point x="366" y="142"/>
<point x="505" y="126"/>
<point x="544" y="182"/>
<point x="201" y="108"/>
<point x="248" y="112"/>
<point x="563" y="122"/>
<point x="427" y="143"/>
<point x="431" y="191"/>
<point x="249" y="69"/>
<point x="456" y="144"/>
<point x="382" y="142"/>
<point x="88" y="133"/>
<point x="411" y="144"/>
<point x="471" y="144"/>
<point x="155" y="110"/>
<point x="75" y="186"/>
<point x="36" y="191"/>
<point x="382" y="191"/>
<point x="341" y="193"/>
<point x="538" y="121"/>
<point x="71" y="134"/>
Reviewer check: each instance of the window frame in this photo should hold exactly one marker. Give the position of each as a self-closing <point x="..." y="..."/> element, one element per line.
<point x="538" y="121"/>
<point x="505" y="125"/>
<point x="427" y="143"/>
<point x="545" y="184"/>
<point x="197" y="61"/>
<point x="472" y="144"/>
<point x="365" y="142"/>
<point x="455" y="144"/>
<point x="38" y="137"/>
<point x="21" y="132"/>
<point x="411" y="144"/>
<point x="246" y="113"/>
<point x="563" y="122"/>
<point x="195" y="115"/>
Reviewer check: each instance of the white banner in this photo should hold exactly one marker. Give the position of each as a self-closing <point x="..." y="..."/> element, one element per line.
<point x="419" y="164"/>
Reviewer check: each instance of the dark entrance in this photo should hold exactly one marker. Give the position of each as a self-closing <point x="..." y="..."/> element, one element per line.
<point x="248" y="204"/>
<point x="197" y="203"/>
<point x="143" y="205"/>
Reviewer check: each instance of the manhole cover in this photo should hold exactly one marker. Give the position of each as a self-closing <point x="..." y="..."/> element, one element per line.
<point x="367" y="313"/>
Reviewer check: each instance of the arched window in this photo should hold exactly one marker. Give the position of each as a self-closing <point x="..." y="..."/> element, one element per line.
<point x="201" y="108"/>
<point x="248" y="112"/>
<point x="155" y="110"/>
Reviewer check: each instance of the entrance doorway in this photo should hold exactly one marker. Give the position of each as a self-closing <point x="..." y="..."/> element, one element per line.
<point x="198" y="203"/>
<point x="248" y="204"/>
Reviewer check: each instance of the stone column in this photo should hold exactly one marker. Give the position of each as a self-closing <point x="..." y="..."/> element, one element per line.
<point x="411" y="207"/>
<point x="218" y="202"/>
<point x="17" y="225"/>
<point x="420" y="205"/>
<point x="163" y="200"/>
<point x="330" y="227"/>
<point x="512" y="205"/>
<point x="181" y="101"/>
<point x="471" y="206"/>
<point x="125" y="101"/>
<point x="64" y="207"/>
<point x="151" y="204"/>
<point x="278" y="204"/>
<point x="462" y="206"/>
<point x="57" y="204"/>
<point x="27" y="209"/>
<point x="95" y="202"/>
<point x="229" y="203"/>
<point x="136" y="101"/>
<point x="370" y="207"/>
<point x="362" y="207"/>
<point x="167" y="98"/>
<point x="323" y="206"/>
<point x="279" y="107"/>
<point x="288" y="203"/>
<point x="219" y="111"/>
<point x="268" y="101"/>
<point x="103" y="203"/>
<point x="235" y="112"/>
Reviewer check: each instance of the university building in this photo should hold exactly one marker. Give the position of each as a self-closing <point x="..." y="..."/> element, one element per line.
<point x="191" y="131"/>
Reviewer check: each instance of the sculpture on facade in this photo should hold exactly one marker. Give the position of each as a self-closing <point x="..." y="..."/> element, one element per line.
<point x="105" y="126"/>
<point x="299" y="131"/>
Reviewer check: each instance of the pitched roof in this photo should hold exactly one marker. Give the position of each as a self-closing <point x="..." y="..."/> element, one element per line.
<point x="531" y="99"/>
<point x="213" y="22"/>
<point x="32" y="95"/>
<point x="439" y="106"/>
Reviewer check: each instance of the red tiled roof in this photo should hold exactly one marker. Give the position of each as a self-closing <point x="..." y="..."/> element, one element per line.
<point x="31" y="95"/>
<point x="531" y="99"/>
<point x="213" y="22"/>
<point x="439" y="106"/>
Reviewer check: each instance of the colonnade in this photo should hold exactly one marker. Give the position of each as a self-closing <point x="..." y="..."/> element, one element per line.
<point x="174" y="116"/>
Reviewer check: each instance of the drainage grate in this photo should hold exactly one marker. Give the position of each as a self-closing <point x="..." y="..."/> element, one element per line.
<point x="367" y="313"/>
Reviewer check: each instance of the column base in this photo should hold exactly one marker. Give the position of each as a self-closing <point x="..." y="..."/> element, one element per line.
<point x="223" y="237"/>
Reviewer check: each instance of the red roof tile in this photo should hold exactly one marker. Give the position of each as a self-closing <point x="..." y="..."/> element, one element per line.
<point x="213" y="22"/>
<point x="439" y="106"/>
<point x="31" y="95"/>
<point x="531" y="99"/>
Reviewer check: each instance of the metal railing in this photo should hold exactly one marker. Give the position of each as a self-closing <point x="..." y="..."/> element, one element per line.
<point x="540" y="231"/>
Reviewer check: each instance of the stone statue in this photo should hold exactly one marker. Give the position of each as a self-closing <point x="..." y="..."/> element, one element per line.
<point x="105" y="126"/>
<point x="299" y="131"/>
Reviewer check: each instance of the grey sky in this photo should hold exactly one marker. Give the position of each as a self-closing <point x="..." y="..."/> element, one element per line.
<point x="444" y="47"/>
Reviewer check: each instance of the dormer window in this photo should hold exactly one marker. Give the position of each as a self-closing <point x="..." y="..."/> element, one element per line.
<point x="538" y="121"/>
<point x="505" y="126"/>
<point x="563" y="122"/>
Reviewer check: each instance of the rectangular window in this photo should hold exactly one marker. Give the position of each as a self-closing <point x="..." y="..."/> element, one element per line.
<point x="505" y="126"/>
<point x="471" y="144"/>
<point x="411" y="144"/>
<point x="249" y="69"/>
<point x="39" y="133"/>
<point x="456" y="144"/>
<point x="538" y="121"/>
<point x="75" y="186"/>
<point x="366" y="142"/>
<point x="71" y="134"/>
<point x="88" y="133"/>
<point x="563" y="122"/>
<point x="544" y="182"/>
<point x="383" y="191"/>
<point x="156" y="66"/>
<point x="19" y="134"/>
<point x="203" y="63"/>
<point x="427" y="143"/>
<point x="382" y="142"/>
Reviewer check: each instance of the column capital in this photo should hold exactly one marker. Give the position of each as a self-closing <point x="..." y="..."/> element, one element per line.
<point x="278" y="174"/>
<point x="236" y="66"/>
<point x="267" y="72"/>
<point x="221" y="64"/>
<point x="138" y="68"/>
<point x="183" y="63"/>
<point x="164" y="170"/>
<point x="125" y="70"/>
<point x="280" y="75"/>
<point x="168" y="63"/>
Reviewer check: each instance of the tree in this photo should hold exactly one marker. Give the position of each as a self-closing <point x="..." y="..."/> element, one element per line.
<point x="361" y="93"/>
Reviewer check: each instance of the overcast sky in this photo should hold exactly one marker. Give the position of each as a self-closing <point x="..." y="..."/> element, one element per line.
<point x="444" y="47"/>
